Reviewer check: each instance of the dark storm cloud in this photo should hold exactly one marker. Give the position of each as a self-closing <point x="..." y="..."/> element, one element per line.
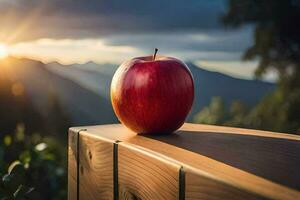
<point x="230" y="41"/>
<point x="95" y="18"/>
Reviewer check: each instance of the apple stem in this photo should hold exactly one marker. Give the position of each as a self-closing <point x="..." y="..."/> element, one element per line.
<point x="155" y="52"/>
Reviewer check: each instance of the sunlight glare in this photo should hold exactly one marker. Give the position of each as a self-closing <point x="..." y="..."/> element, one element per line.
<point x="3" y="51"/>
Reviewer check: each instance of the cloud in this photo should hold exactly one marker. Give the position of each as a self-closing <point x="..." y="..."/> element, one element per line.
<point x="189" y="46"/>
<point x="209" y="40"/>
<point x="69" y="51"/>
<point x="94" y="18"/>
<point x="116" y="30"/>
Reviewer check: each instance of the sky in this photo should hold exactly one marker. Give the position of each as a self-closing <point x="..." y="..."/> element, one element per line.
<point x="112" y="31"/>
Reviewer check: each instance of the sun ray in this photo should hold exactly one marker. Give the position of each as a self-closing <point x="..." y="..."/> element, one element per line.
<point x="26" y="23"/>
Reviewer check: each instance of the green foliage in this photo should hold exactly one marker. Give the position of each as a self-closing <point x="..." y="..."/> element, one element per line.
<point x="272" y="113"/>
<point x="277" y="47"/>
<point x="12" y="185"/>
<point x="37" y="169"/>
<point x="212" y="114"/>
<point x="277" y="111"/>
<point x="216" y="113"/>
<point x="276" y="36"/>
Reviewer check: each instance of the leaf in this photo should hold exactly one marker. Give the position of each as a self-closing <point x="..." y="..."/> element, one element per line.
<point x="25" y="157"/>
<point x="14" y="178"/>
<point x="15" y="167"/>
<point x="23" y="192"/>
<point x="11" y="182"/>
<point x="7" y="140"/>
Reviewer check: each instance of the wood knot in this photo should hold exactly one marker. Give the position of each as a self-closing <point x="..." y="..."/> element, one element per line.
<point x="127" y="195"/>
<point x="90" y="154"/>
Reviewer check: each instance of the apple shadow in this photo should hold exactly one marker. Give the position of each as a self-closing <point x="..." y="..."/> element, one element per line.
<point x="275" y="159"/>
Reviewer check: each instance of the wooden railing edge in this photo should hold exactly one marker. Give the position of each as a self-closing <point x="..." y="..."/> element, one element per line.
<point x="74" y="162"/>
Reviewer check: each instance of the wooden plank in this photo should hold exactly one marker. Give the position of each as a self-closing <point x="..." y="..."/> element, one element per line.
<point x="201" y="187"/>
<point x="241" y="131"/>
<point x="119" y="132"/>
<point x="96" y="167"/>
<point x="274" y="159"/>
<point x="143" y="175"/>
<point x="220" y="171"/>
<point x="72" y="163"/>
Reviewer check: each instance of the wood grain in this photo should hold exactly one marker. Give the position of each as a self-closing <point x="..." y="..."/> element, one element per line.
<point x="72" y="163"/>
<point x="119" y="132"/>
<point x="239" y="131"/>
<point x="142" y="175"/>
<point x="201" y="187"/>
<point x="219" y="171"/>
<point x="96" y="167"/>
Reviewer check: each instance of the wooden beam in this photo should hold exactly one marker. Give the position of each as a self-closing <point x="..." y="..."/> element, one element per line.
<point x="198" y="161"/>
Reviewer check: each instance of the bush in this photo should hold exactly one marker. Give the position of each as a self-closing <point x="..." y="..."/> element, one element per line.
<point x="32" y="166"/>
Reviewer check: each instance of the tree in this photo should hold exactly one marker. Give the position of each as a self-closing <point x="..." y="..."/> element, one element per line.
<point x="276" y="36"/>
<point x="237" y="114"/>
<point x="214" y="113"/>
<point x="277" y="46"/>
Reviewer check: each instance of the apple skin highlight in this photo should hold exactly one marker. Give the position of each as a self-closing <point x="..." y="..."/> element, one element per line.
<point x="153" y="94"/>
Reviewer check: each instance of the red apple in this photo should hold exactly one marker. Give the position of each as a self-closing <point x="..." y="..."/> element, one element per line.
<point x="152" y="94"/>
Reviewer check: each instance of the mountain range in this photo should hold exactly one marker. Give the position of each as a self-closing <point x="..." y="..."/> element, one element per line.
<point x="83" y="90"/>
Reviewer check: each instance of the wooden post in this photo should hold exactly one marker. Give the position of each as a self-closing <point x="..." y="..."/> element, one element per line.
<point x="196" y="162"/>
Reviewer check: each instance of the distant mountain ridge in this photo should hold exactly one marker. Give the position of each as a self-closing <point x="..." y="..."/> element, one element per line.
<point x="207" y="84"/>
<point x="84" y="89"/>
